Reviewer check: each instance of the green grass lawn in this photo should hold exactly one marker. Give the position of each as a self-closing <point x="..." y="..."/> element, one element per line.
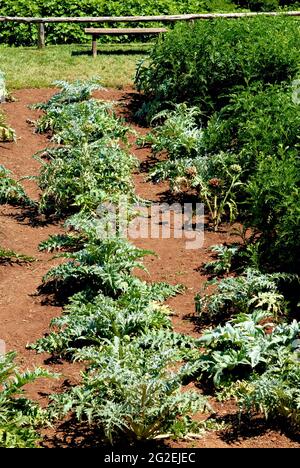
<point x="28" y="67"/>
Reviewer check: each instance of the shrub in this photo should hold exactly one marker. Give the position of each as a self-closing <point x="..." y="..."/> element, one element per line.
<point x="273" y="209"/>
<point x="257" y="120"/>
<point x="101" y="266"/>
<point x="276" y="393"/>
<point x="188" y="66"/>
<point x="86" y="323"/>
<point x="77" y="91"/>
<point x="88" y="120"/>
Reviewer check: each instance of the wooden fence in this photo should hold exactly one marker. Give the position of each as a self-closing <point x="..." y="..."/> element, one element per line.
<point x="132" y="19"/>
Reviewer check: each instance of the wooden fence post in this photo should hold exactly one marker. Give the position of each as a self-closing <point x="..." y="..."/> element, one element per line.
<point x="94" y="46"/>
<point x="41" y="35"/>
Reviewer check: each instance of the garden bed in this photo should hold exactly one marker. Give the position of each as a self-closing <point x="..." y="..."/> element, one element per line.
<point x="25" y="316"/>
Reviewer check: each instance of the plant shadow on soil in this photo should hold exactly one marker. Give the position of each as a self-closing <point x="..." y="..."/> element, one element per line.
<point x="72" y="434"/>
<point x="245" y="427"/>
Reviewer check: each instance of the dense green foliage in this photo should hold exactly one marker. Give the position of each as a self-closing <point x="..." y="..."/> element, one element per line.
<point x="267" y="5"/>
<point x="81" y="176"/>
<point x="72" y="33"/>
<point x="26" y="34"/>
<point x="243" y="155"/>
<point x="187" y="66"/>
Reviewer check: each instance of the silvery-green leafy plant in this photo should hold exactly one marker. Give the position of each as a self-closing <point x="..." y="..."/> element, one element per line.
<point x="133" y="392"/>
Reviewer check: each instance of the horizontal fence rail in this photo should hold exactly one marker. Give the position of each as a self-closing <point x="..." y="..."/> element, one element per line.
<point x="133" y="19"/>
<point x="128" y="19"/>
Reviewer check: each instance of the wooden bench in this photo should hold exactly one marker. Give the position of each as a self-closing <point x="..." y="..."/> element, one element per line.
<point x="96" y="32"/>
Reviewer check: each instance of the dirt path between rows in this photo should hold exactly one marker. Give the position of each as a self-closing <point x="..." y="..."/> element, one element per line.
<point x="23" y="315"/>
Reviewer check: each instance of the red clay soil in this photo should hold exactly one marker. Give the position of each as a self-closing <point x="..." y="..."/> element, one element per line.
<point x="25" y="316"/>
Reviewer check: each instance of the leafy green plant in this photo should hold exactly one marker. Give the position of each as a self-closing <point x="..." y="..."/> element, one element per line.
<point x="242" y="348"/>
<point x="85" y="121"/>
<point x="259" y="120"/>
<point x="10" y="190"/>
<point x="102" y="266"/>
<point x="88" y="322"/>
<point x="274" y="394"/>
<point x="179" y="135"/>
<point x="252" y="291"/>
<point x="188" y="66"/>
<point x="19" y="417"/>
<point x="225" y="256"/>
<point x="272" y="388"/>
<point x="132" y="392"/>
<point x="77" y="91"/>
<point x="84" y="176"/>
<point x="273" y="209"/>
<point x="218" y="196"/>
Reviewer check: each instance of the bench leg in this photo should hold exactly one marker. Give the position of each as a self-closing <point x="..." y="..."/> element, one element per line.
<point x="94" y="46"/>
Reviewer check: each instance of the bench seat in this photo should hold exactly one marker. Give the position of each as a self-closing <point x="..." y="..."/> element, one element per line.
<point x="95" y="32"/>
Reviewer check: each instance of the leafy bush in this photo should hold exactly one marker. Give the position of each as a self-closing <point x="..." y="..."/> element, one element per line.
<point x="273" y="209"/>
<point x="188" y="66"/>
<point x="257" y="120"/>
<point x="259" y="367"/>
<point x="178" y="135"/>
<point x="276" y="393"/>
<point x="103" y="266"/>
<point x="225" y="257"/>
<point x="19" y="417"/>
<point x="132" y="391"/>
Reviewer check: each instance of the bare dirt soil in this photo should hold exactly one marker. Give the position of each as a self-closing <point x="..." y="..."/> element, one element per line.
<point x="25" y="316"/>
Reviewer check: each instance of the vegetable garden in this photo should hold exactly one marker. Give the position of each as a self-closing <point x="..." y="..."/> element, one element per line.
<point x="221" y="101"/>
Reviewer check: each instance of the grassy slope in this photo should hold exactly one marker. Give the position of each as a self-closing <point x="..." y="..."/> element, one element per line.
<point x="27" y="67"/>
